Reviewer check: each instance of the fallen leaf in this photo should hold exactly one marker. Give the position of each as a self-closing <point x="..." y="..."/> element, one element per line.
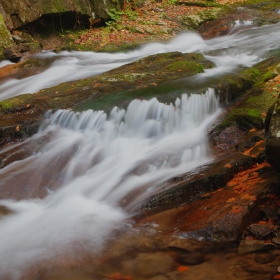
<point x="182" y="268"/>
<point x="17" y="128"/>
<point x="228" y="165"/>
<point x="276" y="276"/>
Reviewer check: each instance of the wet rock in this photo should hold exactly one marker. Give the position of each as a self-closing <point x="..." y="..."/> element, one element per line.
<point x="191" y="186"/>
<point x="4" y="211"/>
<point x="149" y="265"/>
<point x="62" y="273"/>
<point x="276" y="241"/>
<point x="235" y="20"/>
<point x="271" y="211"/>
<point x="261" y="230"/>
<point x="17" y="39"/>
<point x="272" y="146"/>
<point x="247" y="246"/>
<point x="186" y="257"/>
<point x="264" y="257"/>
<point x="15" y="53"/>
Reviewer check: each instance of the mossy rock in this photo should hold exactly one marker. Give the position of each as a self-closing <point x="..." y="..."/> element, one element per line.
<point x="5" y="37"/>
<point x="251" y="110"/>
<point x="24" y="13"/>
<point x="194" y="21"/>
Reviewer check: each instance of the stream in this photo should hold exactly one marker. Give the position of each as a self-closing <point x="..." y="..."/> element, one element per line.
<point x="97" y="168"/>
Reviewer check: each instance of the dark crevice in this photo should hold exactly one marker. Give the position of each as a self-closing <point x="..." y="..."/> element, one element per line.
<point x="59" y="22"/>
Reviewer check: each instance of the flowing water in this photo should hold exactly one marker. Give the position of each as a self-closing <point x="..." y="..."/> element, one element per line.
<point x="241" y="49"/>
<point x="102" y="166"/>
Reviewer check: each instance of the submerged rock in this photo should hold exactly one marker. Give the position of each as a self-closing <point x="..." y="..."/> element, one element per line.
<point x="149" y="265"/>
<point x="247" y="246"/>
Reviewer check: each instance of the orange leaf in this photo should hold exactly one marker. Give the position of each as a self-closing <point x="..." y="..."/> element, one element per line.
<point x="182" y="268"/>
<point x="17" y="128"/>
<point x="228" y="165"/>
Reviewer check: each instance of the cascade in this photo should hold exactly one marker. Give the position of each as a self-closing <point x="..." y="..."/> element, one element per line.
<point x="109" y="157"/>
<point x="97" y="168"/>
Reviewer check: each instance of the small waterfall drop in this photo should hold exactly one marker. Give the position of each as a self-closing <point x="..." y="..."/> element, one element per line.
<point x="110" y="157"/>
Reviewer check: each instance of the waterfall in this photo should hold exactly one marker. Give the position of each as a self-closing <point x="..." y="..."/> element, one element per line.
<point x="111" y="157"/>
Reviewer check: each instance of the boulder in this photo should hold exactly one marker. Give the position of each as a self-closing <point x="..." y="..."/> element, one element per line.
<point x="16" y="52"/>
<point x="5" y="37"/>
<point x="19" y="13"/>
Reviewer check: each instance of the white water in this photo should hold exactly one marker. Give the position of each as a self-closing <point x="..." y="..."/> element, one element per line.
<point x="5" y="62"/>
<point x="111" y="158"/>
<point x="76" y="65"/>
<point x="239" y="24"/>
<point x="160" y="140"/>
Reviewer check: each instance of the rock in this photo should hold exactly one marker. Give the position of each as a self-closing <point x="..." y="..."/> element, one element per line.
<point x="271" y="211"/>
<point x="276" y="241"/>
<point x="185" y="257"/>
<point x="16" y="52"/>
<point x="153" y="264"/>
<point x="261" y="230"/>
<point x="4" y="211"/>
<point x="247" y="246"/>
<point x="272" y="146"/>
<point x="264" y="257"/>
<point x="19" y="13"/>
<point x="5" y="37"/>
<point x="17" y="39"/>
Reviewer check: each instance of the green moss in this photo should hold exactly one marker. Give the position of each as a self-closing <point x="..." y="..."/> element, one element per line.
<point x="16" y="103"/>
<point x="187" y="66"/>
<point x="252" y="73"/>
<point x="244" y="118"/>
<point x="194" y="21"/>
<point x="5" y="37"/>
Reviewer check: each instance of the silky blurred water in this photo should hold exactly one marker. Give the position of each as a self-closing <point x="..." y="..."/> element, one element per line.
<point x="113" y="160"/>
<point x="240" y="49"/>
